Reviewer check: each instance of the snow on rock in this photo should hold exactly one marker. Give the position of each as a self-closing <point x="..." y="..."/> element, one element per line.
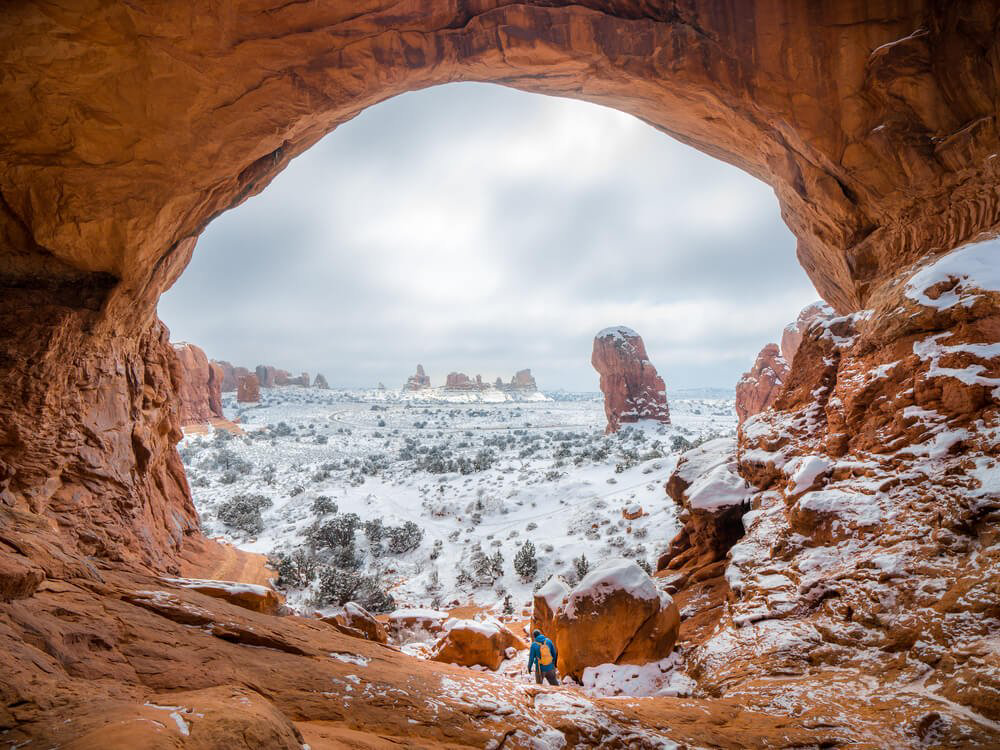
<point x="809" y="469"/>
<point x="632" y="389"/>
<point x="955" y="278"/>
<point x="760" y="387"/>
<point x="611" y="576"/>
<point x="246" y="595"/>
<point x="480" y="642"/>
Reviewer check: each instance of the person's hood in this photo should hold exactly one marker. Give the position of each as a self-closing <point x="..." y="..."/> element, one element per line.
<point x="540" y="638"/>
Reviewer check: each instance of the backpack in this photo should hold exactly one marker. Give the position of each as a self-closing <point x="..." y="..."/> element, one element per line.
<point x="544" y="654"/>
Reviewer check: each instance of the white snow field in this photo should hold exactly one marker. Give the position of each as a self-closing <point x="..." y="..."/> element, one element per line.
<point x="475" y="482"/>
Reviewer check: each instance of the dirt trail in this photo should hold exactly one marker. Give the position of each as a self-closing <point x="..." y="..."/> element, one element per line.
<point x="223" y="562"/>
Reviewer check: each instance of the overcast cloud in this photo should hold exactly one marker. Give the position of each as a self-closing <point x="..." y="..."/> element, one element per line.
<point x="475" y="228"/>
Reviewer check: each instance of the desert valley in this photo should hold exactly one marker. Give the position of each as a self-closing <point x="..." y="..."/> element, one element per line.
<point x="198" y="553"/>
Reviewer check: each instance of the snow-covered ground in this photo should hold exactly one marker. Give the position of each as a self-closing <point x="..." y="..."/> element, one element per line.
<point x="444" y="494"/>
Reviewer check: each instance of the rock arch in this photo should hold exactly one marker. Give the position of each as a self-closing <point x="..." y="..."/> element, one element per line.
<point x="130" y="128"/>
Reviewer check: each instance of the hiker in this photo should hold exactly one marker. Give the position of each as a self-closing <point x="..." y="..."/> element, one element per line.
<point x="542" y="656"/>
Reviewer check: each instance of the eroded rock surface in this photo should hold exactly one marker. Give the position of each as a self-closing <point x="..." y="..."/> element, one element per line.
<point x="470" y="643"/>
<point x="200" y="389"/>
<point x="791" y="337"/>
<point x="249" y="389"/>
<point x="631" y="386"/>
<point x="759" y="388"/>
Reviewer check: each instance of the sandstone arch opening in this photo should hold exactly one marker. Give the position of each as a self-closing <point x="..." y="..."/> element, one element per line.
<point x="130" y="129"/>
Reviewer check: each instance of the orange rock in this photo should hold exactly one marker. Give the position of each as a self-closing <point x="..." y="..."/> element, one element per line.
<point x="759" y="388"/>
<point x="247" y="595"/>
<point x="791" y="337"/>
<point x="632" y="389"/>
<point x="418" y="381"/>
<point x="199" y="394"/>
<point x="469" y="643"/>
<point x="615" y="615"/>
<point x="632" y="512"/>
<point x="355" y="617"/>
<point x="546" y="602"/>
<point x="249" y="390"/>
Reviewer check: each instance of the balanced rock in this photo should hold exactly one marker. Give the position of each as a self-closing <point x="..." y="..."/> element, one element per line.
<point x="791" y="337"/>
<point x="469" y="643"/>
<point x="320" y="382"/>
<point x="418" y="381"/>
<point x="615" y="615"/>
<point x="759" y="388"/>
<point x="199" y="395"/>
<point x="631" y="386"/>
<point x="249" y="390"/>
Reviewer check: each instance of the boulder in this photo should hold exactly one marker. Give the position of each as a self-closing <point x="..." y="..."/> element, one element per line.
<point x="632" y="389"/>
<point x="320" y="382"/>
<point x="791" y="337"/>
<point x="409" y="624"/>
<point x="632" y="512"/>
<point x="615" y="615"/>
<point x="199" y="394"/>
<point x="418" y="381"/>
<point x="759" y="388"/>
<point x="547" y="601"/>
<point x="469" y="643"/>
<point x="354" y="617"/>
<point x="249" y="390"/>
<point x="250" y="596"/>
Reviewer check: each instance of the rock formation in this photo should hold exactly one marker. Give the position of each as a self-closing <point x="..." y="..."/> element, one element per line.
<point x="199" y="397"/>
<point x="249" y="390"/>
<point x="759" y="388"/>
<point x="230" y="375"/>
<point x="354" y="619"/>
<point x="791" y="337"/>
<point x="547" y="601"/>
<point x="631" y="387"/>
<point x="869" y="558"/>
<point x="484" y="642"/>
<point x="320" y="382"/>
<point x="459" y="381"/>
<point x="615" y="615"/>
<point x="282" y="378"/>
<point x="418" y="381"/>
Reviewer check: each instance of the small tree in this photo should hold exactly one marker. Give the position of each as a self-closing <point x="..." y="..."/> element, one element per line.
<point x="582" y="565"/>
<point x="525" y="562"/>
<point x="496" y="565"/>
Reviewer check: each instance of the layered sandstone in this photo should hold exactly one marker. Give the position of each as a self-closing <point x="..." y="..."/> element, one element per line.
<point x="199" y="393"/>
<point x="418" y="381"/>
<point x="230" y="375"/>
<point x="760" y="386"/>
<point x="631" y="386"/>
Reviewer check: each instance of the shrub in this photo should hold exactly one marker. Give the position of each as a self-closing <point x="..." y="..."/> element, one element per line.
<point x="323" y="506"/>
<point x="525" y="562"/>
<point x="335" y="533"/>
<point x="404" y="538"/>
<point x="581" y="565"/>
<point x="242" y="512"/>
<point x="295" y="570"/>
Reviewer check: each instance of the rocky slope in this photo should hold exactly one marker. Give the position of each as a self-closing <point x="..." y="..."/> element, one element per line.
<point x="631" y="387"/>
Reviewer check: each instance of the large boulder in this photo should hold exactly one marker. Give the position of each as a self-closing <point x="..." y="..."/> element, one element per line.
<point x="199" y="395"/>
<point x="631" y="386"/>
<point x="759" y="388"/>
<point x="615" y="615"/>
<point x="469" y="643"/>
<point x="249" y="389"/>
<point x="355" y="619"/>
<point x="547" y="601"/>
<point x="410" y="624"/>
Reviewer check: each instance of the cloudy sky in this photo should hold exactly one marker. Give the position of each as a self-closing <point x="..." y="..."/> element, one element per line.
<point x="476" y="228"/>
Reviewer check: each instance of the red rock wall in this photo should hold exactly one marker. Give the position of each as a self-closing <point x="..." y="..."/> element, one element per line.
<point x="249" y="390"/>
<point x="199" y="393"/>
<point x="759" y="388"/>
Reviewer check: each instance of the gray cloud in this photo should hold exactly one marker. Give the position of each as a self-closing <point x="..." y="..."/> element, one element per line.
<point x="477" y="228"/>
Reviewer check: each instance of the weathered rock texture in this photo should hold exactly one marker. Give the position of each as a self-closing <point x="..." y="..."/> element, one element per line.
<point x="615" y="615"/>
<point x="199" y="394"/>
<point x="355" y="620"/>
<point x="249" y="390"/>
<point x="418" y="381"/>
<point x="471" y="643"/>
<point x="759" y="388"/>
<point x="632" y="389"/>
<point x="791" y="337"/>
<point x="127" y="127"/>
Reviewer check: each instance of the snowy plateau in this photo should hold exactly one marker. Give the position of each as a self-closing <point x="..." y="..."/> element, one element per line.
<point x="403" y="503"/>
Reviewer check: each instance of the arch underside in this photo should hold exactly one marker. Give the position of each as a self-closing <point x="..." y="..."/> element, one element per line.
<point x="129" y="126"/>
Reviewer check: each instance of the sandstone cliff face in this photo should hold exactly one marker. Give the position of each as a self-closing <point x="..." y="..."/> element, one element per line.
<point x="418" y="381"/>
<point x="631" y="387"/>
<point x="759" y="388"/>
<point x="230" y="375"/>
<point x="199" y="393"/>
<point x="870" y="552"/>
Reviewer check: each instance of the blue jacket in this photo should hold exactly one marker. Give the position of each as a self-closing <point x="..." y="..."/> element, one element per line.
<point x="535" y="653"/>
